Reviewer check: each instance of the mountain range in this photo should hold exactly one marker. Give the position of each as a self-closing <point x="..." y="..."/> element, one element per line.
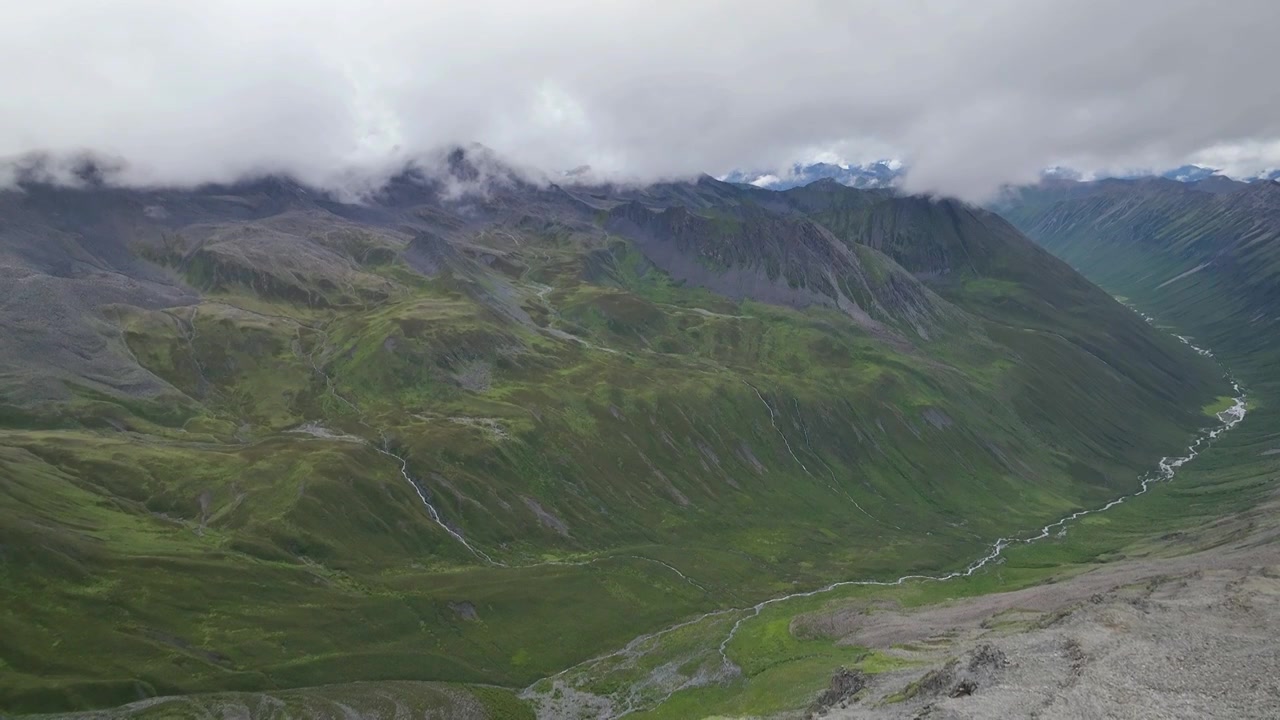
<point x="879" y="174"/>
<point x="476" y="430"/>
<point x="888" y="173"/>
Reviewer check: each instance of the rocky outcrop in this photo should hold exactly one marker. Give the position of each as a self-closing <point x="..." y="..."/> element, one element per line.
<point x="748" y="252"/>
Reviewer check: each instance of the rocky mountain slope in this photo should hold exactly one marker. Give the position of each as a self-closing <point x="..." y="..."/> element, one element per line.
<point x="477" y="430"/>
<point x="1163" y="636"/>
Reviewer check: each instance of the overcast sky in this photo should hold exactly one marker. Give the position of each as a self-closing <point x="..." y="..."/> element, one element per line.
<point x="969" y="93"/>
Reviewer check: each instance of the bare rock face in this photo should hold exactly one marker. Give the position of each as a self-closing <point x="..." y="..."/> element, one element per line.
<point x="845" y="685"/>
<point x="465" y="609"/>
<point x="986" y="662"/>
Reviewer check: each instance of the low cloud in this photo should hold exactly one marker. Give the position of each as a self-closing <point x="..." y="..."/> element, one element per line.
<point x="971" y="95"/>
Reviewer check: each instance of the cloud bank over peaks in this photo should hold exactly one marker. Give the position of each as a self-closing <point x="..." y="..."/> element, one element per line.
<point x="971" y="96"/>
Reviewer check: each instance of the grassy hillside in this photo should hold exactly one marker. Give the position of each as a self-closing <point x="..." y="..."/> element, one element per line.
<point x="1205" y="262"/>
<point x="305" y="443"/>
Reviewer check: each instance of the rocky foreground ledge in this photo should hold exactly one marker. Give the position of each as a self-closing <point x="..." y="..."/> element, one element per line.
<point x="1180" y="637"/>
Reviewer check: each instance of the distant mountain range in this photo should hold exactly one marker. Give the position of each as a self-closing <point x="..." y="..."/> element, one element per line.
<point x="879" y="174"/>
<point x="887" y="173"/>
<point x="1182" y="173"/>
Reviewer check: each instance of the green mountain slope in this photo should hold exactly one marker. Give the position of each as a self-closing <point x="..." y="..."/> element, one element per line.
<point x="255" y="438"/>
<point x="1205" y="260"/>
<point x="1030" y="300"/>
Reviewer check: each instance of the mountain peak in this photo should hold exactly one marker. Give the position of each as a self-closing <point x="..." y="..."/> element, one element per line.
<point x="877" y="174"/>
